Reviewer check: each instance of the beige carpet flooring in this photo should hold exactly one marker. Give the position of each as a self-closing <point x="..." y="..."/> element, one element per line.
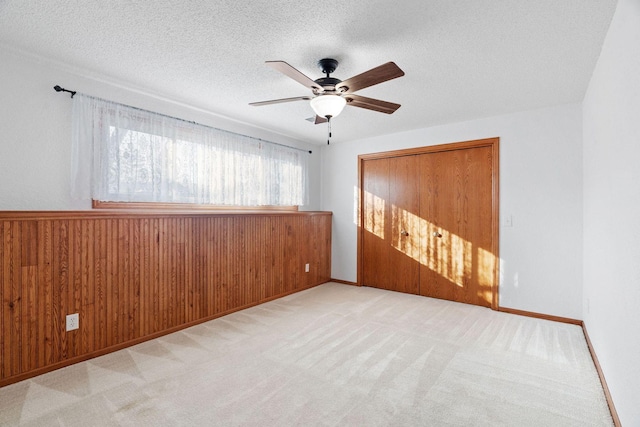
<point x="334" y="355"/>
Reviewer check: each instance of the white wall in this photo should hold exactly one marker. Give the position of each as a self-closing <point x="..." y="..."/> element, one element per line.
<point x="540" y="187"/>
<point x="35" y="130"/>
<point x="612" y="210"/>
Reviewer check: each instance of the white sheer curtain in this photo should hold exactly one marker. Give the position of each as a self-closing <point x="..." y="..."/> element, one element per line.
<point x="124" y="154"/>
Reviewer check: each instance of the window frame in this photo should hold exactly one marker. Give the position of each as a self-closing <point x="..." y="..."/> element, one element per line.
<point x="165" y="206"/>
<point x="100" y="129"/>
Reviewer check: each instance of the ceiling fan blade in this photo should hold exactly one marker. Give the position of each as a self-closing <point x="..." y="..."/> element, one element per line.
<point x="372" y="77"/>
<point x="296" y="75"/>
<point x="278" y="101"/>
<point x="371" y="104"/>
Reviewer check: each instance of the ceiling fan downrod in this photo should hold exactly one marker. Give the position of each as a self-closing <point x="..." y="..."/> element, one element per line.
<point x="328" y="65"/>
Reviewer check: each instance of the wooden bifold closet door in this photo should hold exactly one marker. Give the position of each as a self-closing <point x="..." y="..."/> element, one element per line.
<point x="429" y="221"/>
<point x="390" y="204"/>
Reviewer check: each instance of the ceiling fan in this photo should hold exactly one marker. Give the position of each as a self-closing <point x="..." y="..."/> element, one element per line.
<point x="330" y="95"/>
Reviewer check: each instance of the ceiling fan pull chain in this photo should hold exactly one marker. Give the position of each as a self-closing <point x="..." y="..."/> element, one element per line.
<point x="329" y="128"/>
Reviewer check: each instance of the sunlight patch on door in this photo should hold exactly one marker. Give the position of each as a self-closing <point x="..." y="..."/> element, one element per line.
<point x="486" y="270"/>
<point x="445" y="253"/>
<point x="406" y="232"/>
<point x="374" y="214"/>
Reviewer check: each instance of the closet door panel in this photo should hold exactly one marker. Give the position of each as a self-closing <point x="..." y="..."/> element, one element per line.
<point x="456" y="203"/>
<point x="404" y="250"/>
<point x="391" y="224"/>
<point x="434" y="205"/>
<point x="376" y="225"/>
<point x="429" y="221"/>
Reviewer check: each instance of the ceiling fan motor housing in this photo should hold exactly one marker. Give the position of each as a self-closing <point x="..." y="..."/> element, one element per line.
<point x="328" y="83"/>
<point x="328" y="65"/>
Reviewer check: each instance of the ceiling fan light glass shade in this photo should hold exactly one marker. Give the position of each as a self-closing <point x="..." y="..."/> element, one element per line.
<point x="328" y="105"/>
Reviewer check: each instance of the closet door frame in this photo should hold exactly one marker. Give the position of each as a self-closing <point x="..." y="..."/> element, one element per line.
<point x="494" y="144"/>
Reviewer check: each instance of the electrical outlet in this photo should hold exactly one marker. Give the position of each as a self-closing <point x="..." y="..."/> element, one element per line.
<point x="73" y="322"/>
<point x="306" y="268"/>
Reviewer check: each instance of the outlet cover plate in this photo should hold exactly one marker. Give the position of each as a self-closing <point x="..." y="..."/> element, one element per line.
<point x="73" y="322"/>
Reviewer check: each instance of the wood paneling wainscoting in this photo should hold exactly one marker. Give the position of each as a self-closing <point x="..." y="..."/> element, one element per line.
<point x="136" y="276"/>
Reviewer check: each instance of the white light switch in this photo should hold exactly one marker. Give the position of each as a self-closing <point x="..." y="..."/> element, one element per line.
<point x="508" y="221"/>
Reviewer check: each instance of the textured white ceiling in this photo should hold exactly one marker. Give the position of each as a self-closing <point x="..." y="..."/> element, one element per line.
<point x="463" y="59"/>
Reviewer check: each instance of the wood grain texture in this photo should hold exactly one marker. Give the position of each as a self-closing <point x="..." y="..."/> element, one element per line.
<point x="541" y="316"/>
<point x="135" y="276"/>
<point x="391" y="206"/>
<point x="446" y="197"/>
<point x="375" y="223"/>
<point x="404" y="224"/>
<point x="456" y="204"/>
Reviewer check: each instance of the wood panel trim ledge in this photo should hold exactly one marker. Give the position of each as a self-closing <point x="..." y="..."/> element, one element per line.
<point x="141" y="213"/>
<point x="134" y="276"/>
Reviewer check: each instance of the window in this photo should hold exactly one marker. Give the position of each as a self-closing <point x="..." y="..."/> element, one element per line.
<point x="123" y="154"/>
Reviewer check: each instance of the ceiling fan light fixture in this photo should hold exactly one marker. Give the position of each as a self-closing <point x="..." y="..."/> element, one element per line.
<point x="328" y="105"/>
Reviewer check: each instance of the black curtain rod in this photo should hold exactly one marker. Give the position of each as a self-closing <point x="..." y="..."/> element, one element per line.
<point x="61" y="89"/>
<point x="57" y="88"/>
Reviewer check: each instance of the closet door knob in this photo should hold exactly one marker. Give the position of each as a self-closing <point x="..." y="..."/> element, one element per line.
<point x="404" y="233"/>
<point x="436" y="234"/>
